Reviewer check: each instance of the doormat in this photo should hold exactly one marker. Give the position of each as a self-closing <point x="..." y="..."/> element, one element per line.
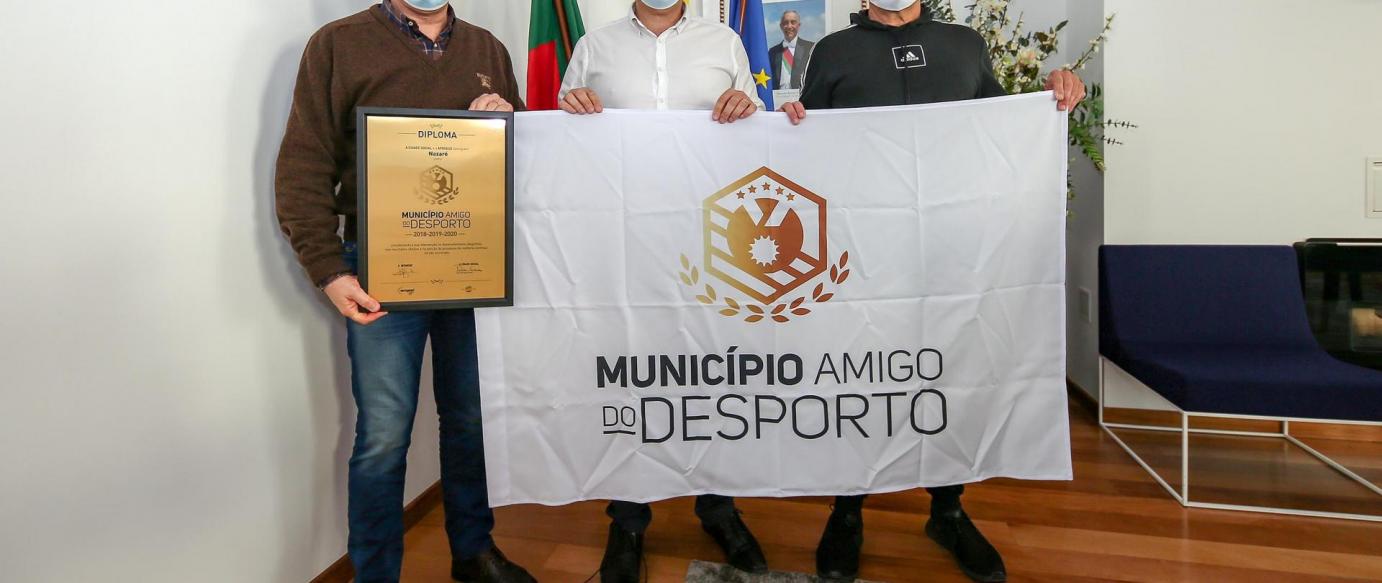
<point x="704" y="572"/>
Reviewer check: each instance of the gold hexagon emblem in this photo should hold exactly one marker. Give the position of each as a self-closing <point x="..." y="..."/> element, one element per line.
<point x="437" y="185"/>
<point x="765" y="236"/>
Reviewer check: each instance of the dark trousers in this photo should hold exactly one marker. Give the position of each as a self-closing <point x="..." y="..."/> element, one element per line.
<point x="945" y="499"/>
<point x="635" y="516"/>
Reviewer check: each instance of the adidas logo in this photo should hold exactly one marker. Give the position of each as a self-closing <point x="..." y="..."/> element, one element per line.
<point x="909" y="56"/>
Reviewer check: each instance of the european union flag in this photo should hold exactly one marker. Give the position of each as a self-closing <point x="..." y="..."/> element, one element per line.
<point x="746" y="18"/>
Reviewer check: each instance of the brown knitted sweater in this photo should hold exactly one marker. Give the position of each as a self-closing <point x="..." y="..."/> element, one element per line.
<point x="365" y="60"/>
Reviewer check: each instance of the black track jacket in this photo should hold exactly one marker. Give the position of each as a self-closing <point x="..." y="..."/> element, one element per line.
<point x="870" y="64"/>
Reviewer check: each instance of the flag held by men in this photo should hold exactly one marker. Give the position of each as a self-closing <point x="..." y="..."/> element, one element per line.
<point x="553" y="30"/>
<point x="871" y="302"/>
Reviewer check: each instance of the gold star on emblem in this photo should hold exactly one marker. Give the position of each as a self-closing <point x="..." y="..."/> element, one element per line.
<point x="791" y="197"/>
<point x="779" y="191"/>
<point x="762" y="77"/>
<point x="766" y="186"/>
<point x="753" y="189"/>
<point x="741" y="194"/>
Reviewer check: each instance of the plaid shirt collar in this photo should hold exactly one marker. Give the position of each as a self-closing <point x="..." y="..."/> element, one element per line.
<point x="434" y="50"/>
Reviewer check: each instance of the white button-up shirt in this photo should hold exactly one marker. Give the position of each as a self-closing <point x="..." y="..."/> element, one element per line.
<point x="688" y="67"/>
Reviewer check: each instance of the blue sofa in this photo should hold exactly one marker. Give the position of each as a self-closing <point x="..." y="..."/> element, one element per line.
<point x="1223" y="329"/>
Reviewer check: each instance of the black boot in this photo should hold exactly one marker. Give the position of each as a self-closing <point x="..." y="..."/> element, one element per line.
<point x="623" y="556"/>
<point x="489" y="567"/>
<point x="741" y="549"/>
<point x="977" y="558"/>
<point x="837" y="556"/>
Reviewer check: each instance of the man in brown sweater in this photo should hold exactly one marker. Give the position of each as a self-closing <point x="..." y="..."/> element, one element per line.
<point x="410" y="54"/>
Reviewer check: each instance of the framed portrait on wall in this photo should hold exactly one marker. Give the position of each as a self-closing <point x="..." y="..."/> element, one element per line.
<point x="793" y="27"/>
<point x="835" y="12"/>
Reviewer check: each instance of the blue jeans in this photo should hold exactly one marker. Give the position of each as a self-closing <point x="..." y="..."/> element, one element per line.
<point x="385" y="366"/>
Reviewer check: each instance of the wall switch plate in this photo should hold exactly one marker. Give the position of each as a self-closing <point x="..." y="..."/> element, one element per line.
<point x="1087" y="305"/>
<point x="1375" y="188"/>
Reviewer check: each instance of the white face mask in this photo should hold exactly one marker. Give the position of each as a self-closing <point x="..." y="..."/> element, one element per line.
<point x="426" y="5"/>
<point x="893" y="5"/>
<point x="660" y="4"/>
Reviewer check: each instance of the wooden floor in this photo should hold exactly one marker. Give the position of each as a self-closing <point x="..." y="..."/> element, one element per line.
<point x="1113" y="523"/>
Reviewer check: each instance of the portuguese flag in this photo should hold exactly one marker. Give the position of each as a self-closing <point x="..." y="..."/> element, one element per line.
<point x="552" y="34"/>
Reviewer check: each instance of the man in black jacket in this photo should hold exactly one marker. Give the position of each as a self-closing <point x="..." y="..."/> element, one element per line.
<point x="896" y="55"/>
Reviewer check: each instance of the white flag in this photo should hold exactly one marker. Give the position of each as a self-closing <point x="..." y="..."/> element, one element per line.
<point x="869" y="302"/>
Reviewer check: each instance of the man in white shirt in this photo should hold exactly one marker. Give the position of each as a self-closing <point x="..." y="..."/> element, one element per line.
<point x="659" y="58"/>
<point x="789" y="58"/>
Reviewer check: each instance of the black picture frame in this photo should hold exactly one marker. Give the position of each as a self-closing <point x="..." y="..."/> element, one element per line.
<point x="362" y="115"/>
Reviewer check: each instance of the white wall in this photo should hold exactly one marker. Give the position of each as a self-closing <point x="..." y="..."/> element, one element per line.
<point x="174" y="401"/>
<point x="1086" y="226"/>
<point x="1256" y="115"/>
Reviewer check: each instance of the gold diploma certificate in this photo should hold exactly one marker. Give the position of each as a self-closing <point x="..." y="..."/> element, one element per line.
<point x="436" y="208"/>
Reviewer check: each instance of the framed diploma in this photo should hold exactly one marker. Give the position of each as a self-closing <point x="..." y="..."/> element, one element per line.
<point x="435" y="213"/>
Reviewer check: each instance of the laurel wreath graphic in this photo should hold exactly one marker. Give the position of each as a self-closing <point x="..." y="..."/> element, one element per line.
<point x="753" y="312"/>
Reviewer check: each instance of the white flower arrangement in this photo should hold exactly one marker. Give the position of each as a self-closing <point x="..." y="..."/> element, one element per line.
<point x="1018" y="59"/>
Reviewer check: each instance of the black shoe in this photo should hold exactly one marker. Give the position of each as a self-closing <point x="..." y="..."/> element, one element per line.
<point x="977" y="558"/>
<point x="623" y="556"/>
<point x="837" y="557"/>
<point x="741" y="549"/>
<point x="489" y="567"/>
